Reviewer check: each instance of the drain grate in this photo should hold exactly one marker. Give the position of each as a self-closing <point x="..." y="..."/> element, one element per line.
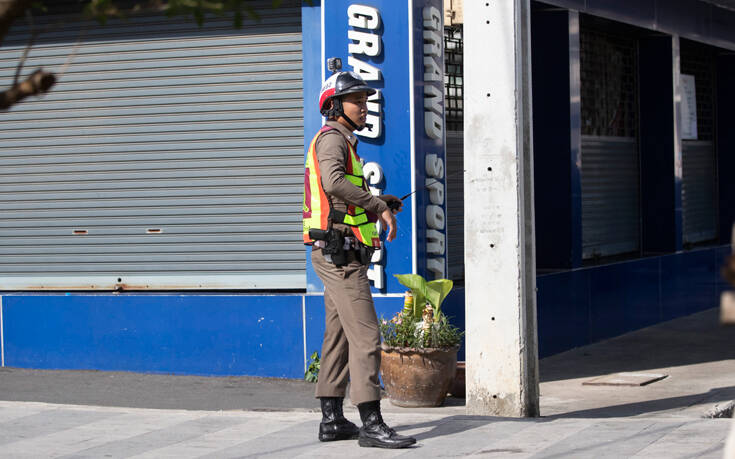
<point x="626" y="379"/>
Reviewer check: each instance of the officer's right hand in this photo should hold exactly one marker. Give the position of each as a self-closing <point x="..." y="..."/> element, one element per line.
<point x="394" y="204"/>
<point x="389" y="221"/>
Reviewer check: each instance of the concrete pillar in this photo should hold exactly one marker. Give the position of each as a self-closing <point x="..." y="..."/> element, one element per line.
<point x="501" y="345"/>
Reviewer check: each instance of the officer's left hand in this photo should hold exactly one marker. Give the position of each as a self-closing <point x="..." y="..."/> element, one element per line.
<point x="389" y="222"/>
<point x="389" y="199"/>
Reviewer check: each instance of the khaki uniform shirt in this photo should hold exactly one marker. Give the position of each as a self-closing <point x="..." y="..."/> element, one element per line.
<point x="332" y="154"/>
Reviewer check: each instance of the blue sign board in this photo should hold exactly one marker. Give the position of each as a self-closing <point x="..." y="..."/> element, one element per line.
<point x="429" y="138"/>
<point x="397" y="47"/>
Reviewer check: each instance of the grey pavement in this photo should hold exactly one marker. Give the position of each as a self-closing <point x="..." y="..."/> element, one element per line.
<point x="115" y="414"/>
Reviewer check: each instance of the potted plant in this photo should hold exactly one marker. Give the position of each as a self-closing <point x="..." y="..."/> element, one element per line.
<point x="419" y="345"/>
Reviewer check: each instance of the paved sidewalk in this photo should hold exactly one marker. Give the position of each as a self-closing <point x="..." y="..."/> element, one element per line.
<point x="60" y="413"/>
<point x="696" y="352"/>
<point x="35" y="430"/>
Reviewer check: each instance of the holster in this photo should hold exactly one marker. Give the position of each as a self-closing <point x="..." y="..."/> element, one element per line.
<point x="365" y="254"/>
<point x="334" y="245"/>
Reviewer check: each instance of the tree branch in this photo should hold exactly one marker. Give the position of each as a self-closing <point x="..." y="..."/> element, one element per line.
<point x="28" y="47"/>
<point x="10" y="10"/>
<point x="39" y="82"/>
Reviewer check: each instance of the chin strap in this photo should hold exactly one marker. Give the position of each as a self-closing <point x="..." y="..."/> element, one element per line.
<point x="336" y="111"/>
<point x="352" y="123"/>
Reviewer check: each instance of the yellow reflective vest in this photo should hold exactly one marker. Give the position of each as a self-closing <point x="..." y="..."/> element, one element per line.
<point x="317" y="206"/>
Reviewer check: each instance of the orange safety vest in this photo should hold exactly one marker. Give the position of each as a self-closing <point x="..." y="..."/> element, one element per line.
<point x="317" y="206"/>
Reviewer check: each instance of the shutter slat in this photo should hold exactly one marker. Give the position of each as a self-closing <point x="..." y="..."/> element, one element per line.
<point x="455" y="204"/>
<point x="610" y="196"/>
<point x="698" y="197"/>
<point x="175" y="153"/>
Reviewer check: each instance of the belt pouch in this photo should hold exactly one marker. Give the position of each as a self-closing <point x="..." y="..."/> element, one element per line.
<point x="365" y="254"/>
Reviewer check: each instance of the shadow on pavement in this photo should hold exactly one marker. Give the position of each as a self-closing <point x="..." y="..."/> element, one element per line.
<point x="697" y="338"/>
<point x="717" y="395"/>
<point x="454" y="424"/>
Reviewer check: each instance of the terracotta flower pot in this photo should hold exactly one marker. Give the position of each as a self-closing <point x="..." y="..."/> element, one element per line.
<point x="458" y="385"/>
<point x="418" y="377"/>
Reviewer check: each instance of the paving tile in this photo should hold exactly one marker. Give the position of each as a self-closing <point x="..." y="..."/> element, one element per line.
<point x="12" y="410"/>
<point x="613" y="439"/>
<point x="47" y="422"/>
<point x="215" y="443"/>
<point x="284" y="440"/>
<point x="690" y="439"/>
<point x="157" y="438"/>
<point x="93" y="434"/>
<point x="537" y="437"/>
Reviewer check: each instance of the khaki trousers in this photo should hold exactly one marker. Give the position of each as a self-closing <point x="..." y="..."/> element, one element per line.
<point x="351" y="348"/>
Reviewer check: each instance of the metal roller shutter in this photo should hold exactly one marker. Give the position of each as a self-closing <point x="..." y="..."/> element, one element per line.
<point x="454" y="114"/>
<point x="610" y="196"/>
<point x="455" y="204"/>
<point x="699" y="173"/>
<point x="698" y="191"/>
<point x="167" y="157"/>
<point x="609" y="148"/>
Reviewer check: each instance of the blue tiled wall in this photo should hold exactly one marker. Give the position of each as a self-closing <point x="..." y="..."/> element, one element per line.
<point x="384" y="306"/>
<point x="187" y="334"/>
<point x="268" y="335"/>
<point x="256" y="335"/>
<point x="590" y="304"/>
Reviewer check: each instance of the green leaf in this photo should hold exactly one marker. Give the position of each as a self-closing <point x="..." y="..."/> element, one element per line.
<point x="412" y="281"/>
<point x="439" y="289"/>
<point x="434" y="292"/>
<point x="312" y="371"/>
<point x="417" y="284"/>
<point x="432" y="296"/>
<point x="39" y="6"/>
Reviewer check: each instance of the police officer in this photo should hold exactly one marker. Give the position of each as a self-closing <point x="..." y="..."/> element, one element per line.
<point x="340" y="216"/>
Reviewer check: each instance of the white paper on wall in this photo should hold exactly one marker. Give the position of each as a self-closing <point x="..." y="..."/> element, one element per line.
<point x="688" y="108"/>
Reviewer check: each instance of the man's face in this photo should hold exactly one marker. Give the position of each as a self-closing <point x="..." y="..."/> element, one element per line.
<point x="355" y="107"/>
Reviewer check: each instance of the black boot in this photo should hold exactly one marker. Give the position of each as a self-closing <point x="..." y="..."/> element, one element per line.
<point x="375" y="433"/>
<point x="334" y="426"/>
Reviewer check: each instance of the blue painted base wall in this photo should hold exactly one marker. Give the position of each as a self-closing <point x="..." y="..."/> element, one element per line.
<point x="187" y="334"/>
<point x="199" y="334"/>
<point x="271" y="335"/>
<point x="585" y="305"/>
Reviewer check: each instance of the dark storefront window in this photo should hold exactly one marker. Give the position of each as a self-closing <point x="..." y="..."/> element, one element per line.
<point x="610" y="173"/>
